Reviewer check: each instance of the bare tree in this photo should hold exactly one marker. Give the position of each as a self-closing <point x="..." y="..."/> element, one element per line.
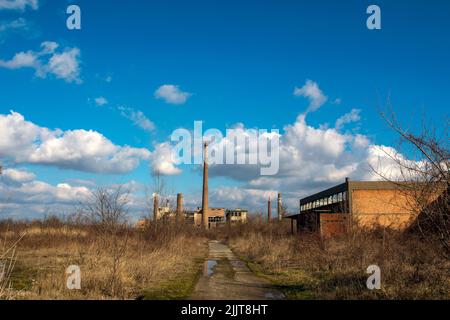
<point x="425" y="178"/>
<point x="107" y="211"/>
<point x="8" y="258"/>
<point x="160" y="189"/>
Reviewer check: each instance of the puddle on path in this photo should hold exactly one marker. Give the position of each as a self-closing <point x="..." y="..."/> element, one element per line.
<point x="208" y="269"/>
<point x="225" y="277"/>
<point x="273" y="295"/>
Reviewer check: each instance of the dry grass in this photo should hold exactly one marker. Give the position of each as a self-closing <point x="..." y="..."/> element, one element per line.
<point x="306" y="267"/>
<point x="161" y="260"/>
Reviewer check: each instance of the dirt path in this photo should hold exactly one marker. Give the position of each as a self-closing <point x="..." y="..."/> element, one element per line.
<point x="225" y="277"/>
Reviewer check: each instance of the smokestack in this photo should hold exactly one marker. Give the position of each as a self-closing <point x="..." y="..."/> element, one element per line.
<point x="179" y="206"/>
<point x="155" y="207"/>
<point x="279" y="208"/>
<point x="269" y="210"/>
<point x="205" y="187"/>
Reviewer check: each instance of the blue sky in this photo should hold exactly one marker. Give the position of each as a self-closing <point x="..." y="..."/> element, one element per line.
<point x="237" y="62"/>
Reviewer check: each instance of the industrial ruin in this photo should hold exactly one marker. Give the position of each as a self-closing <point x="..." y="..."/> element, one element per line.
<point x="362" y="204"/>
<point x="203" y="216"/>
<point x="330" y="212"/>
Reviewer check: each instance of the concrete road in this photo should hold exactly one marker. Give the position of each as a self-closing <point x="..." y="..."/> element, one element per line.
<point x="225" y="277"/>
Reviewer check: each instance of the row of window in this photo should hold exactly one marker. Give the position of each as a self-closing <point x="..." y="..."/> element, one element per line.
<point x="335" y="198"/>
<point x="234" y="214"/>
<point x="215" y="219"/>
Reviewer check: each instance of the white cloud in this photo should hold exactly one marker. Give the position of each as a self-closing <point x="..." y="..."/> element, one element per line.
<point x="311" y="159"/>
<point x="24" y="142"/>
<point x="21" y="60"/>
<point x="234" y="197"/>
<point x="138" y="118"/>
<point x="18" y="4"/>
<point x="20" y="23"/>
<point x="14" y="176"/>
<point x="352" y="116"/>
<point x="63" y="65"/>
<point x="172" y="94"/>
<point x="22" y="196"/>
<point x="101" y="101"/>
<point x="312" y="92"/>
<point x="48" y="47"/>
<point x="163" y="160"/>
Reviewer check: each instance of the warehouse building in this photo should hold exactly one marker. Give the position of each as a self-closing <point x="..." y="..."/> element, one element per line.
<point x="358" y="203"/>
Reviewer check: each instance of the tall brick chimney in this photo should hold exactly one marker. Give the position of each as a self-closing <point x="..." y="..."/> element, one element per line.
<point x="269" y="210"/>
<point x="279" y="208"/>
<point x="155" y="207"/>
<point x="205" y="187"/>
<point x="180" y="206"/>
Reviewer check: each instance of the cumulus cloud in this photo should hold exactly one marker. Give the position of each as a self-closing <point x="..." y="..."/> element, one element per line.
<point x="22" y="196"/>
<point x="163" y="160"/>
<point x="64" y="64"/>
<point x="352" y="116"/>
<point x="241" y="197"/>
<point x="172" y="94"/>
<point x="312" y="92"/>
<point x="311" y="159"/>
<point x="21" y="60"/>
<point x="14" y="176"/>
<point x="20" y="5"/>
<point x="138" y="118"/>
<point x="101" y="101"/>
<point x="22" y="141"/>
<point x="39" y="192"/>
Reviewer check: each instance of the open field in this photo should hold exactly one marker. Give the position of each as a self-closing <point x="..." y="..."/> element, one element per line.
<point x="167" y="262"/>
<point x="152" y="263"/>
<point x="305" y="267"/>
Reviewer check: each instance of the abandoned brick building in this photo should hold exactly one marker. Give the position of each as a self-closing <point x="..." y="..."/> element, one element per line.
<point x="355" y="203"/>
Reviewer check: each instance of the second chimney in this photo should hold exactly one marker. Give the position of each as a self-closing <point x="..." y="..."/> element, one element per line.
<point x="179" y="206"/>
<point x="155" y="207"/>
<point x="279" y="208"/>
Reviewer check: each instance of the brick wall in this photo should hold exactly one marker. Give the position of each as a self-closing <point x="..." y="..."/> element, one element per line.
<point x="385" y="207"/>
<point x="334" y="224"/>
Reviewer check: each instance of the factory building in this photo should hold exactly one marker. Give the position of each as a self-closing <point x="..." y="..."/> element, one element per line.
<point x="364" y="204"/>
<point x="205" y="216"/>
<point x="236" y="216"/>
